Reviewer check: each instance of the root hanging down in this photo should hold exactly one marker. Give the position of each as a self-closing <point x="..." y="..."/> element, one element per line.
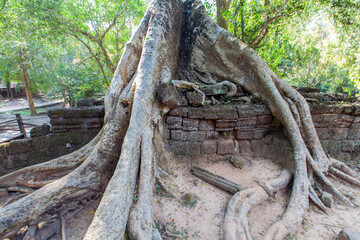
<point x="175" y="40"/>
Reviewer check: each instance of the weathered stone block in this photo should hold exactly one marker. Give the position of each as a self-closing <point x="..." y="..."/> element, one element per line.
<point x="252" y="110"/>
<point x="206" y="125"/>
<point x="238" y="161"/>
<point x="194" y="98"/>
<point x="174" y="122"/>
<point x="169" y="96"/>
<point x="245" y="135"/>
<point x="327" y="199"/>
<point x="332" y="125"/>
<point x="225" y="125"/>
<point x="196" y="136"/>
<point x="179" y="112"/>
<point x="177" y="135"/>
<point x="356" y="111"/>
<point x="259" y="133"/>
<point x="40" y="143"/>
<point x="190" y="124"/>
<point x="57" y="121"/>
<point x="225" y="146"/>
<point x="332" y="133"/>
<point x="347" y="146"/>
<point x="346" y="118"/>
<point x="208" y="147"/>
<point x="178" y="147"/>
<point x="331" y="118"/>
<point x="86" y="102"/>
<point x="264" y="119"/>
<point x="80" y="121"/>
<point x="354" y="134"/>
<point x="58" y="129"/>
<point x="3" y="192"/>
<point x="217" y="112"/>
<point x="317" y="118"/>
<point x="40" y="130"/>
<point x="347" y="108"/>
<point x="8" y="164"/>
<point x="249" y="122"/>
<point x="18" y="160"/>
<point x="85" y="112"/>
<point x="347" y="234"/>
<point x="211" y="135"/>
<point x="19" y="146"/>
<point x="245" y="147"/>
<point x="55" y="113"/>
<point x="320" y="108"/>
<point x="193" y="149"/>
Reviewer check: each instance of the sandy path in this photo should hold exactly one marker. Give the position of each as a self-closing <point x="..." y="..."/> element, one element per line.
<point x="203" y="217"/>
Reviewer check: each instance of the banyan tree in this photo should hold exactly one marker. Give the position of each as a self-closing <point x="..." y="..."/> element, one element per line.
<point x="175" y="40"/>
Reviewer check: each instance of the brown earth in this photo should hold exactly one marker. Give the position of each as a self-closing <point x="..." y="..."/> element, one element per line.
<point x="201" y="216"/>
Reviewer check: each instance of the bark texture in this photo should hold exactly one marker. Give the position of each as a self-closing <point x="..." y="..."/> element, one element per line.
<point x="175" y="40"/>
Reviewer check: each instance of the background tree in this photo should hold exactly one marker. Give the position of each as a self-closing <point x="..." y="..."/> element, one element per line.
<point x="17" y="40"/>
<point x="103" y="27"/>
<point x="308" y="43"/>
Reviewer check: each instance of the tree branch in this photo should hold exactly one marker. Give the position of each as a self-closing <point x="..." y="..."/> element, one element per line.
<point x="263" y="30"/>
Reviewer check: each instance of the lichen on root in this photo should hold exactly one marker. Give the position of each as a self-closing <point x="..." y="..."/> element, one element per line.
<point x="175" y="40"/>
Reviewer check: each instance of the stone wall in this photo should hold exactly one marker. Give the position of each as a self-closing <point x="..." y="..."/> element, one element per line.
<point x="248" y="129"/>
<point x="251" y="130"/>
<point x="71" y="128"/>
<point x="74" y="119"/>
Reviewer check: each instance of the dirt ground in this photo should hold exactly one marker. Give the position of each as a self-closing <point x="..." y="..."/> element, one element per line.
<point x="202" y="217"/>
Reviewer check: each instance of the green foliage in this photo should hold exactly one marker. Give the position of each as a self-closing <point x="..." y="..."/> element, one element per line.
<point x="308" y="43"/>
<point x="314" y="52"/>
<point x="70" y="48"/>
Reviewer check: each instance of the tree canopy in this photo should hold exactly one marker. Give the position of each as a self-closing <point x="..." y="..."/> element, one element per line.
<point x="71" y="48"/>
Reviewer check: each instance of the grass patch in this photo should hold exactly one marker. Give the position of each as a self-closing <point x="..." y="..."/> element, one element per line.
<point x="26" y="112"/>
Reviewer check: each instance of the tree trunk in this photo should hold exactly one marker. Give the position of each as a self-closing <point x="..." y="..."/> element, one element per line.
<point x="175" y="40"/>
<point x="25" y="77"/>
<point x="222" y="6"/>
<point x="9" y="91"/>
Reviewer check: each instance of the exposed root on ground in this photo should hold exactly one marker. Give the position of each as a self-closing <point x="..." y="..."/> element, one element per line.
<point x="236" y="225"/>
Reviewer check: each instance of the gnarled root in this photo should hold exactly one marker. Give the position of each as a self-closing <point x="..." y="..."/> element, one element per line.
<point x="236" y="224"/>
<point x="216" y="54"/>
<point x="158" y="59"/>
<point x="208" y="53"/>
<point x="86" y="181"/>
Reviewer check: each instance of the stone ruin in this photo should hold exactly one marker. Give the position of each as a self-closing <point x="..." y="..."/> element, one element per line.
<point x="243" y="125"/>
<point x="71" y="128"/>
<point x="218" y="127"/>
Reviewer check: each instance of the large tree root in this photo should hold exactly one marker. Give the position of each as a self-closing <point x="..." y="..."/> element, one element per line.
<point x="216" y="55"/>
<point x="175" y="40"/>
<point x="236" y="224"/>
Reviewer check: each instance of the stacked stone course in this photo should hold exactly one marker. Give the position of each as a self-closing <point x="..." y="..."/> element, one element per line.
<point x="71" y="128"/>
<point x="218" y="129"/>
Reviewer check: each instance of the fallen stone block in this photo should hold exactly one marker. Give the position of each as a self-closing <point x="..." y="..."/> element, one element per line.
<point x="346" y="234"/>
